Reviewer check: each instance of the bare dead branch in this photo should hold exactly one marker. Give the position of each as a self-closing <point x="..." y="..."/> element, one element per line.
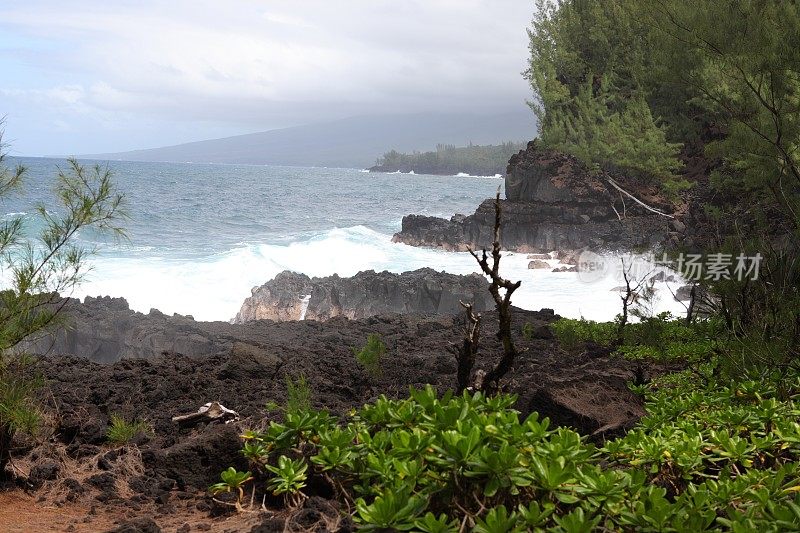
<point x="502" y="302"/>
<point x="465" y="353"/>
<point x="641" y="203"/>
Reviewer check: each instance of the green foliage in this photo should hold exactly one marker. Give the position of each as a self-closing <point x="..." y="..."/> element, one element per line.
<point x="661" y="337"/>
<point x="448" y="159"/>
<point x="742" y="63"/>
<point x="587" y="126"/>
<point x="122" y="430"/>
<point x="761" y="315"/>
<point x="232" y="480"/>
<point x="625" y="83"/>
<point x="572" y="334"/>
<point x="711" y="455"/>
<point x="19" y="381"/>
<point x="589" y="72"/>
<point x="39" y="268"/>
<point x="371" y="354"/>
<point x="298" y="394"/>
<point x="290" y="476"/>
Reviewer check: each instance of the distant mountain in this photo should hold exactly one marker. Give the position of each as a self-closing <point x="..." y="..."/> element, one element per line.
<point x="351" y="142"/>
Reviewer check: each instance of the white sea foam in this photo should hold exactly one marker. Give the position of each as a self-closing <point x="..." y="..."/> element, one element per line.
<point x="214" y="288"/>
<point x="465" y="175"/>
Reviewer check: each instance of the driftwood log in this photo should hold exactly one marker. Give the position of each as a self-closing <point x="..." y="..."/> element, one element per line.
<point x="210" y="412"/>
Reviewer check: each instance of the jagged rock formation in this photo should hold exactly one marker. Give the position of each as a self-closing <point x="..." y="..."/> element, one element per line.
<point x="292" y="296"/>
<point x="105" y="330"/>
<point x="553" y="202"/>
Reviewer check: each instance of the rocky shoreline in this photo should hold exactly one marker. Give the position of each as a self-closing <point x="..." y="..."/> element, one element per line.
<point x="160" y="480"/>
<point x="553" y="202"/>
<point x="112" y="361"/>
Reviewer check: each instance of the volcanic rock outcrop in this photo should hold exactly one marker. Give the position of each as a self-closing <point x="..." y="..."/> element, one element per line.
<point x="553" y="202"/>
<point x="292" y="296"/>
<point x="105" y="330"/>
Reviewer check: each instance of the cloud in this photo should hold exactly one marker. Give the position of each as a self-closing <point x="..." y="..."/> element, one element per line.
<point x="255" y="64"/>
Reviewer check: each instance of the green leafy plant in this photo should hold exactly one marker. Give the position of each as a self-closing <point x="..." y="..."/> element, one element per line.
<point x="121" y="430"/>
<point x="430" y="462"/>
<point x="290" y="478"/>
<point x="232" y="480"/>
<point x="394" y="509"/>
<point x="371" y="354"/>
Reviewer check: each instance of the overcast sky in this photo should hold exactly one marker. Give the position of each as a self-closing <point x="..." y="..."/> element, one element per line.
<point x="98" y="75"/>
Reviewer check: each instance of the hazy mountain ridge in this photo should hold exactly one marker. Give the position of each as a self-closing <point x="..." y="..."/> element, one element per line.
<point x="351" y="142"/>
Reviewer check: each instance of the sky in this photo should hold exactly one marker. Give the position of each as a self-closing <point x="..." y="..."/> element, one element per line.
<point x="89" y="76"/>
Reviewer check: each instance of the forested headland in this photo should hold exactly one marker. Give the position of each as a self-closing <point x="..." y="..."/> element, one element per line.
<point x="447" y="159"/>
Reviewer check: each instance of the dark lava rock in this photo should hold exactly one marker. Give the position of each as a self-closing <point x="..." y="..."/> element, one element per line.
<point x="105" y="482"/>
<point x="587" y="404"/>
<point x="84" y="425"/>
<point x="46" y="471"/>
<point x="270" y="525"/>
<point x="106" y="330"/>
<point x="74" y="488"/>
<point x="198" y="460"/>
<point x="683" y="293"/>
<point x="566" y="269"/>
<point x="538" y="264"/>
<point x="541" y="332"/>
<point x="368" y="293"/>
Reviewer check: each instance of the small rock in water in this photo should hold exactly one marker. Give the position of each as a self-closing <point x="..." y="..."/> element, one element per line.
<point x="566" y="269"/>
<point x="538" y="264"/>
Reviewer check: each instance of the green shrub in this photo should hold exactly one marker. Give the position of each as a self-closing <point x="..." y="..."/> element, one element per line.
<point x="370" y="355"/>
<point x="232" y="480"/>
<point x="298" y="394"/>
<point x="527" y="331"/>
<point x="711" y="455"/>
<point x="122" y="431"/>
<point x="572" y="334"/>
<point x="38" y="267"/>
<point x="661" y="337"/>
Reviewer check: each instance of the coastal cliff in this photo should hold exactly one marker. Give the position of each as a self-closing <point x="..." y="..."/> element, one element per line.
<point x="553" y="202"/>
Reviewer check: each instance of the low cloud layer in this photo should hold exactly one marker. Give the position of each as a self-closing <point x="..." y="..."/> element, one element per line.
<point x="90" y="76"/>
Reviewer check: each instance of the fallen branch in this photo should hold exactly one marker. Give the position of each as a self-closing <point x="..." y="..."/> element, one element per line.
<point x="617" y="212"/>
<point x="641" y="203"/>
<point x="209" y="412"/>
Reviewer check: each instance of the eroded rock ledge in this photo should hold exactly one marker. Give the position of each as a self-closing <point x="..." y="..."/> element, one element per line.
<point x="293" y="296"/>
<point x="553" y="202"/>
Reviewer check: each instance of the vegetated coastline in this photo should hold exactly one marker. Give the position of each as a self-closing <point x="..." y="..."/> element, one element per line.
<point x="673" y="423"/>
<point x="449" y="160"/>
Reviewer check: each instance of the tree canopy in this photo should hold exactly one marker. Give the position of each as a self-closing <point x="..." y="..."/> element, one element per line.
<point x="628" y="83"/>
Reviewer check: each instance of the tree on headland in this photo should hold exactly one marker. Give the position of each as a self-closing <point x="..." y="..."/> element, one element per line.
<point x="38" y="269"/>
<point x="476" y="160"/>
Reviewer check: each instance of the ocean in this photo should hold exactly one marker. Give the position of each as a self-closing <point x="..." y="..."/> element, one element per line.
<point x="200" y="236"/>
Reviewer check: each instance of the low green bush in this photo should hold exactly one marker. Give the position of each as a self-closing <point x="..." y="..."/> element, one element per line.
<point x="121" y="430"/>
<point x="370" y="355"/>
<point x="711" y="455"/>
<point x="298" y="394"/>
<point x="572" y="334"/>
<point x="660" y="338"/>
